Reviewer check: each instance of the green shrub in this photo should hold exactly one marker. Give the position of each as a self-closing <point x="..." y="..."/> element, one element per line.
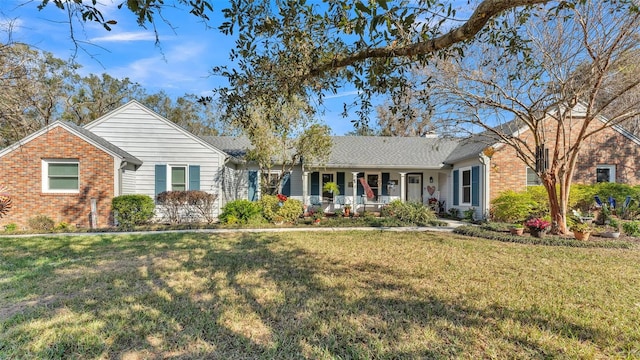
<point x="290" y="210"/>
<point x="64" y="226"/>
<point x="540" y="200"/>
<point x="11" y="227"/>
<point x="631" y="228"/>
<point x="240" y="212"/>
<point x="269" y="205"/>
<point x="582" y="197"/>
<point x="41" y="223"/>
<point x="548" y="240"/>
<point x="469" y="214"/>
<point x="454" y="212"/>
<point x="131" y="210"/>
<point x="513" y="207"/>
<point x="409" y="212"/>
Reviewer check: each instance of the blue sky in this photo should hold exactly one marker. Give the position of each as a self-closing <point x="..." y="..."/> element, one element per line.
<point x="179" y="64"/>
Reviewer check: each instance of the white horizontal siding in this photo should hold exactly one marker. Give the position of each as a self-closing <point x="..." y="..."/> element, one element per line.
<point x="154" y="140"/>
<point x="233" y="184"/>
<point x="128" y="181"/>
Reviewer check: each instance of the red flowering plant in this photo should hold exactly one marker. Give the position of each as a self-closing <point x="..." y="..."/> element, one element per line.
<point x="537" y="224"/>
<point x="433" y="201"/>
<point x="282" y="197"/>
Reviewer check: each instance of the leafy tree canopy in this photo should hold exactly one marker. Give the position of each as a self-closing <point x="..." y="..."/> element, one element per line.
<point x="305" y="49"/>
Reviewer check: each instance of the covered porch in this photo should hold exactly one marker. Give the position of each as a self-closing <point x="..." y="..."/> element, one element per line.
<point x="371" y="189"/>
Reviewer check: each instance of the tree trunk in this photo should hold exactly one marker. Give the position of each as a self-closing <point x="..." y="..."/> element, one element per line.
<point x="557" y="207"/>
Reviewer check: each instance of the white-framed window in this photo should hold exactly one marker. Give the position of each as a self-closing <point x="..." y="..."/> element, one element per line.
<point x="60" y="176"/>
<point x="465" y="187"/>
<point x="606" y="173"/>
<point x="532" y="178"/>
<point x="178" y="178"/>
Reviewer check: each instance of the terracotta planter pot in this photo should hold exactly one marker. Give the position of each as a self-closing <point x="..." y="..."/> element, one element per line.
<point x="516" y="231"/>
<point x="582" y="235"/>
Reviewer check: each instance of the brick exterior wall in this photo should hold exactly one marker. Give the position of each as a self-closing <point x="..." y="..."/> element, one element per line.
<point x="608" y="147"/>
<point x="22" y="174"/>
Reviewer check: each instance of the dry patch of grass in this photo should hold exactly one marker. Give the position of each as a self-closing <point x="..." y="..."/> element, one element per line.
<point x="314" y="295"/>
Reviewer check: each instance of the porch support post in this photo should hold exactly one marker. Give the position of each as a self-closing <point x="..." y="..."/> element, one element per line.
<point x="355" y="190"/>
<point x="403" y="186"/>
<point x="305" y="188"/>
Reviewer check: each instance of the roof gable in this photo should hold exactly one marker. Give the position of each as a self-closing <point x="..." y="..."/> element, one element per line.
<point x="134" y="104"/>
<point x="475" y="144"/>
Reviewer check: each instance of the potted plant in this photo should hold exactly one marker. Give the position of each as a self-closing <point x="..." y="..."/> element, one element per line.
<point x="317" y="216"/>
<point x="347" y="210"/>
<point x="612" y="229"/>
<point x="581" y="230"/>
<point x="331" y="187"/>
<point x="516" y="229"/>
<point x="537" y="227"/>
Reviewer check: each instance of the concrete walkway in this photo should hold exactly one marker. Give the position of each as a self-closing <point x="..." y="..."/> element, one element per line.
<point x="451" y="224"/>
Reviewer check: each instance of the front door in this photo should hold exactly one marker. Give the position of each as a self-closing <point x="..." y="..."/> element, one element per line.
<point x="414" y="188"/>
<point x="327" y="196"/>
<point x="373" y="181"/>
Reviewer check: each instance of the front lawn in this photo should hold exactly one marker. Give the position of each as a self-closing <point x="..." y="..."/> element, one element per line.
<point x="357" y="295"/>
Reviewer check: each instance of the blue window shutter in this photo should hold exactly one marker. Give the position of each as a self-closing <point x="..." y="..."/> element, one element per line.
<point x="286" y="184"/>
<point x="315" y="183"/>
<point x="252" y="189"/>
<point x="385" y="181"/>
<point x="161" y="178"/>
<point x="341" y="183"/>
<point x="194" y="177"/>
<point x="456" y="187"/>
<point x="360" y="188"/>
<point x="475" y="186"/>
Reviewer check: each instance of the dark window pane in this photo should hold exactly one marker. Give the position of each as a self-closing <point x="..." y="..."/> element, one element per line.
<point x="466" y="194"/>
<point x="603" y="175"/>
<point x="466" y="178"/>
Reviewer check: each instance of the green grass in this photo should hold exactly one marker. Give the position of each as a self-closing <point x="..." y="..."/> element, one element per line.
<point x="342" y="295"/>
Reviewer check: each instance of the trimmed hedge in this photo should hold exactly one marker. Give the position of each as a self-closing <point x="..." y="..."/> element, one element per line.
<point x="548" y="240"/>
<point x="131" y="210"/>
<point x="511" y="206"/>
<point x="410" y="212"/>
<point x="182" y="206"/>
<point x="240" y="212"/>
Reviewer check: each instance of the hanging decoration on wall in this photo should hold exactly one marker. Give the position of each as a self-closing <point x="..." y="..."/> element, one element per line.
<point x="5" y="201"/>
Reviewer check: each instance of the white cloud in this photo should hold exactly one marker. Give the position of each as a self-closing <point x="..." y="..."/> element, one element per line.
<point x="342" y="94"/>
<point x="125" y="36"/>
<point x="184" y="67"/>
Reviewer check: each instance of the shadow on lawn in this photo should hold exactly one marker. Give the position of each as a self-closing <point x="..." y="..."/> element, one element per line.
<point x="258" y="297"/>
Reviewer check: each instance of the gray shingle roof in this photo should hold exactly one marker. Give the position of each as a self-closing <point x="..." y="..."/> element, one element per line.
<point x="390" y="152"/>
<point x="232" y="145"/>
<point x="103" y="143"/>
<point x="473" y="145"/>
<point x="365" y="151"/>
